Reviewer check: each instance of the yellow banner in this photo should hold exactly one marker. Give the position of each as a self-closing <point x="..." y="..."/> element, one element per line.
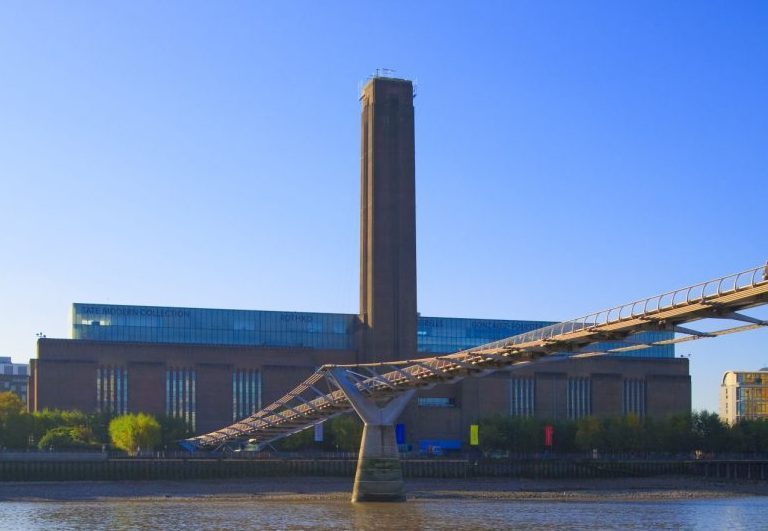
<point x="474" y="435"/>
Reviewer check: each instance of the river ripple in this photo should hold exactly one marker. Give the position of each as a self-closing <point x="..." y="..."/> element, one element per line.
<point x="721" y="513"/>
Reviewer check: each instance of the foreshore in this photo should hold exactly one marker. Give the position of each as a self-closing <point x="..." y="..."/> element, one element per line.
<point x="339" y="489"/>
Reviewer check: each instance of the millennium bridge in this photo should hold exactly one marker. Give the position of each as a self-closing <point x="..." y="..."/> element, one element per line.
<point x="378" y="392"/>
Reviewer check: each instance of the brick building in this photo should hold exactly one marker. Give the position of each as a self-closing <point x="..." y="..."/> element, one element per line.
<point x="212" y="366"/>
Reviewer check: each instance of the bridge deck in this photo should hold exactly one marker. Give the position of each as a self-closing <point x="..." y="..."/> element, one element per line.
<point x="306" y="405"/>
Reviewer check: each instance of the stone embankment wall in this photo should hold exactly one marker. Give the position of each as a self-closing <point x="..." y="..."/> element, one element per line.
<point x="62" y="469"/>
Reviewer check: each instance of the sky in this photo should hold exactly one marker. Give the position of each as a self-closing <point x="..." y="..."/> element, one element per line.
<point x="570" y="156"/>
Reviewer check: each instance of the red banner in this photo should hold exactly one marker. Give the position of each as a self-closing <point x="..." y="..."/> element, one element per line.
<point x="548" y="432"/>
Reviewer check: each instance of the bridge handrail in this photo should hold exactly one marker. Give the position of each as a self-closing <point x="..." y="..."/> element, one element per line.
<point x="651" y="305"/>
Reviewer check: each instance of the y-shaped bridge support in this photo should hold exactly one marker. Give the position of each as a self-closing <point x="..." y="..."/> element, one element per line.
<point x="379" y="476"/>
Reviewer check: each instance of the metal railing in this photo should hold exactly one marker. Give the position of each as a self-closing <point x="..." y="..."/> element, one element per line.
<point x="641" y="308"/>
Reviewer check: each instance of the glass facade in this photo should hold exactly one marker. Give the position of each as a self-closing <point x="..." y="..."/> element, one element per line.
<point x="658" y="351"/>
<point x="180" y="394"/>
<point x="744" y="395"/>
<point x="436" y="335"/>
<point x="634" y="396"/>
<point x="246" y="393"/>
<point x="521" y="397"/>
<point x="443" y="335"/>
<point x="752" y="395"/>
<point x="579" y="399"/>
<point x="112" y="390"/>
<point x="152" y="324"/>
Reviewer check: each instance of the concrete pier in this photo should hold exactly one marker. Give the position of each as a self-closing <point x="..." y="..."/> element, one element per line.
<point x="379" y="474"/>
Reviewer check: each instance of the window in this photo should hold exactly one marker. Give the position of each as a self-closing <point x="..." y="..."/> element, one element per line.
<point x="431" y="401"/>
<point x="180" y="394"/>
<point x="521" y="397"/>
<point x="634" y="397"/>
<point x="246" y="393"/>
<point x="112" y="390"/>
<point x="579" y="400"/>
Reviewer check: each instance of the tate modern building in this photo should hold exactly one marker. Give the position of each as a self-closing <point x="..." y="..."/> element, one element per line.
<point x="213" y="366"/>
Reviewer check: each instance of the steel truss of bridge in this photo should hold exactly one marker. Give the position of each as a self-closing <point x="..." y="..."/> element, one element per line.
<point x="325" y="393"/>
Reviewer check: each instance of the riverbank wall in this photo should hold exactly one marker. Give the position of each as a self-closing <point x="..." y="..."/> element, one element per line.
<point x="106" y="469"/>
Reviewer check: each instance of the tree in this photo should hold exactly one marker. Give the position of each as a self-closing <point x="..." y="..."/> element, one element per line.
<point x="48" y="419"/>
<point x="589" y="434"/>
<point x="675" y="434"/>
<point x="340" y="433"/>
<point x="68" y="438"/>
<point x="98" y="423"/>
<point x="172" y="430"/>
<point x="525" y="434"/>
<point x="749" y="436"/>
<point x="564" y="438"/>
<point x="15" y="422"/>
<point x="301" y="440"/>
<point x="711" y="434"/>
<point x="10" y="404"/>
<point x="494" y="435"/>
<point x="134" y="433"/>
<point x="346" y="432"/>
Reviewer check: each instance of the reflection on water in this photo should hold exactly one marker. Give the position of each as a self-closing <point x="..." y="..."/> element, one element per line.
<point x="730" y="513"/>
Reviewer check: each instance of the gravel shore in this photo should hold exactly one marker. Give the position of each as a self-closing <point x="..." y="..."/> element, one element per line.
<point x="325" y="489"/>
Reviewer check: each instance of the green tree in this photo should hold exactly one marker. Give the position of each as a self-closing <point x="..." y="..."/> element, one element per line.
<point x="345" y="433"/>
<point x="589" y="434"/>
<point x="622" y="434"/>
<point x="15" y="422"/>
<point x="749" y="436"/>
<point x="494" y="434"/>
<point x="710" y="433"/>
<point x="135" y="432"/>
<point x="298" y="441"/>
<point x="564" y="437"/>
<point x="525" y="434"/>
<point x="172" y="430"/>
<point x="10" y="404"/>
<point x="98" y="422"/>
<point x="675" y="434"/>
<point x="68" y="438"/>
<point x="48" y="419"/>
<point x="341" y="433"/>
<point x="633" y="433"/>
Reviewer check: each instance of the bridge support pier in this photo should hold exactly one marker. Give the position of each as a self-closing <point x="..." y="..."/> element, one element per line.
<point x="379" y="475"/>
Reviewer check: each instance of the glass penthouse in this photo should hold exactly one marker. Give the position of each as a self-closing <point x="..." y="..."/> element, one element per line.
<point x="435" y="335"/>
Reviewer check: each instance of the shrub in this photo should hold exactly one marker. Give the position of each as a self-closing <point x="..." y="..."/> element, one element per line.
<point x="68" y="438"/>
<point x="134" y="433"/>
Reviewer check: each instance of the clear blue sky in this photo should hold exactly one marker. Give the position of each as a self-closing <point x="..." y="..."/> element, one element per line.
<point x="570" y="156"/>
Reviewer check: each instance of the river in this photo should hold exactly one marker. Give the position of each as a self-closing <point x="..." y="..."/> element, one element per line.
<point x="739" y="512"/>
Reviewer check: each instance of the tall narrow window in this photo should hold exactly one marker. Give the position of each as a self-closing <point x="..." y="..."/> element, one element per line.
<point x="521" y="397"/>
<point x="246" y="393"/>
<point x="112" y="389"/>
<point x="180" y="390"/>
<point x="634" y="396"/>
<point x="579" y="400"/>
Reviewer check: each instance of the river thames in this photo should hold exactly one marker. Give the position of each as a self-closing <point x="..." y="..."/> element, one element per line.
<point x="323" y="503"/>
<point x="747" y="512"/>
